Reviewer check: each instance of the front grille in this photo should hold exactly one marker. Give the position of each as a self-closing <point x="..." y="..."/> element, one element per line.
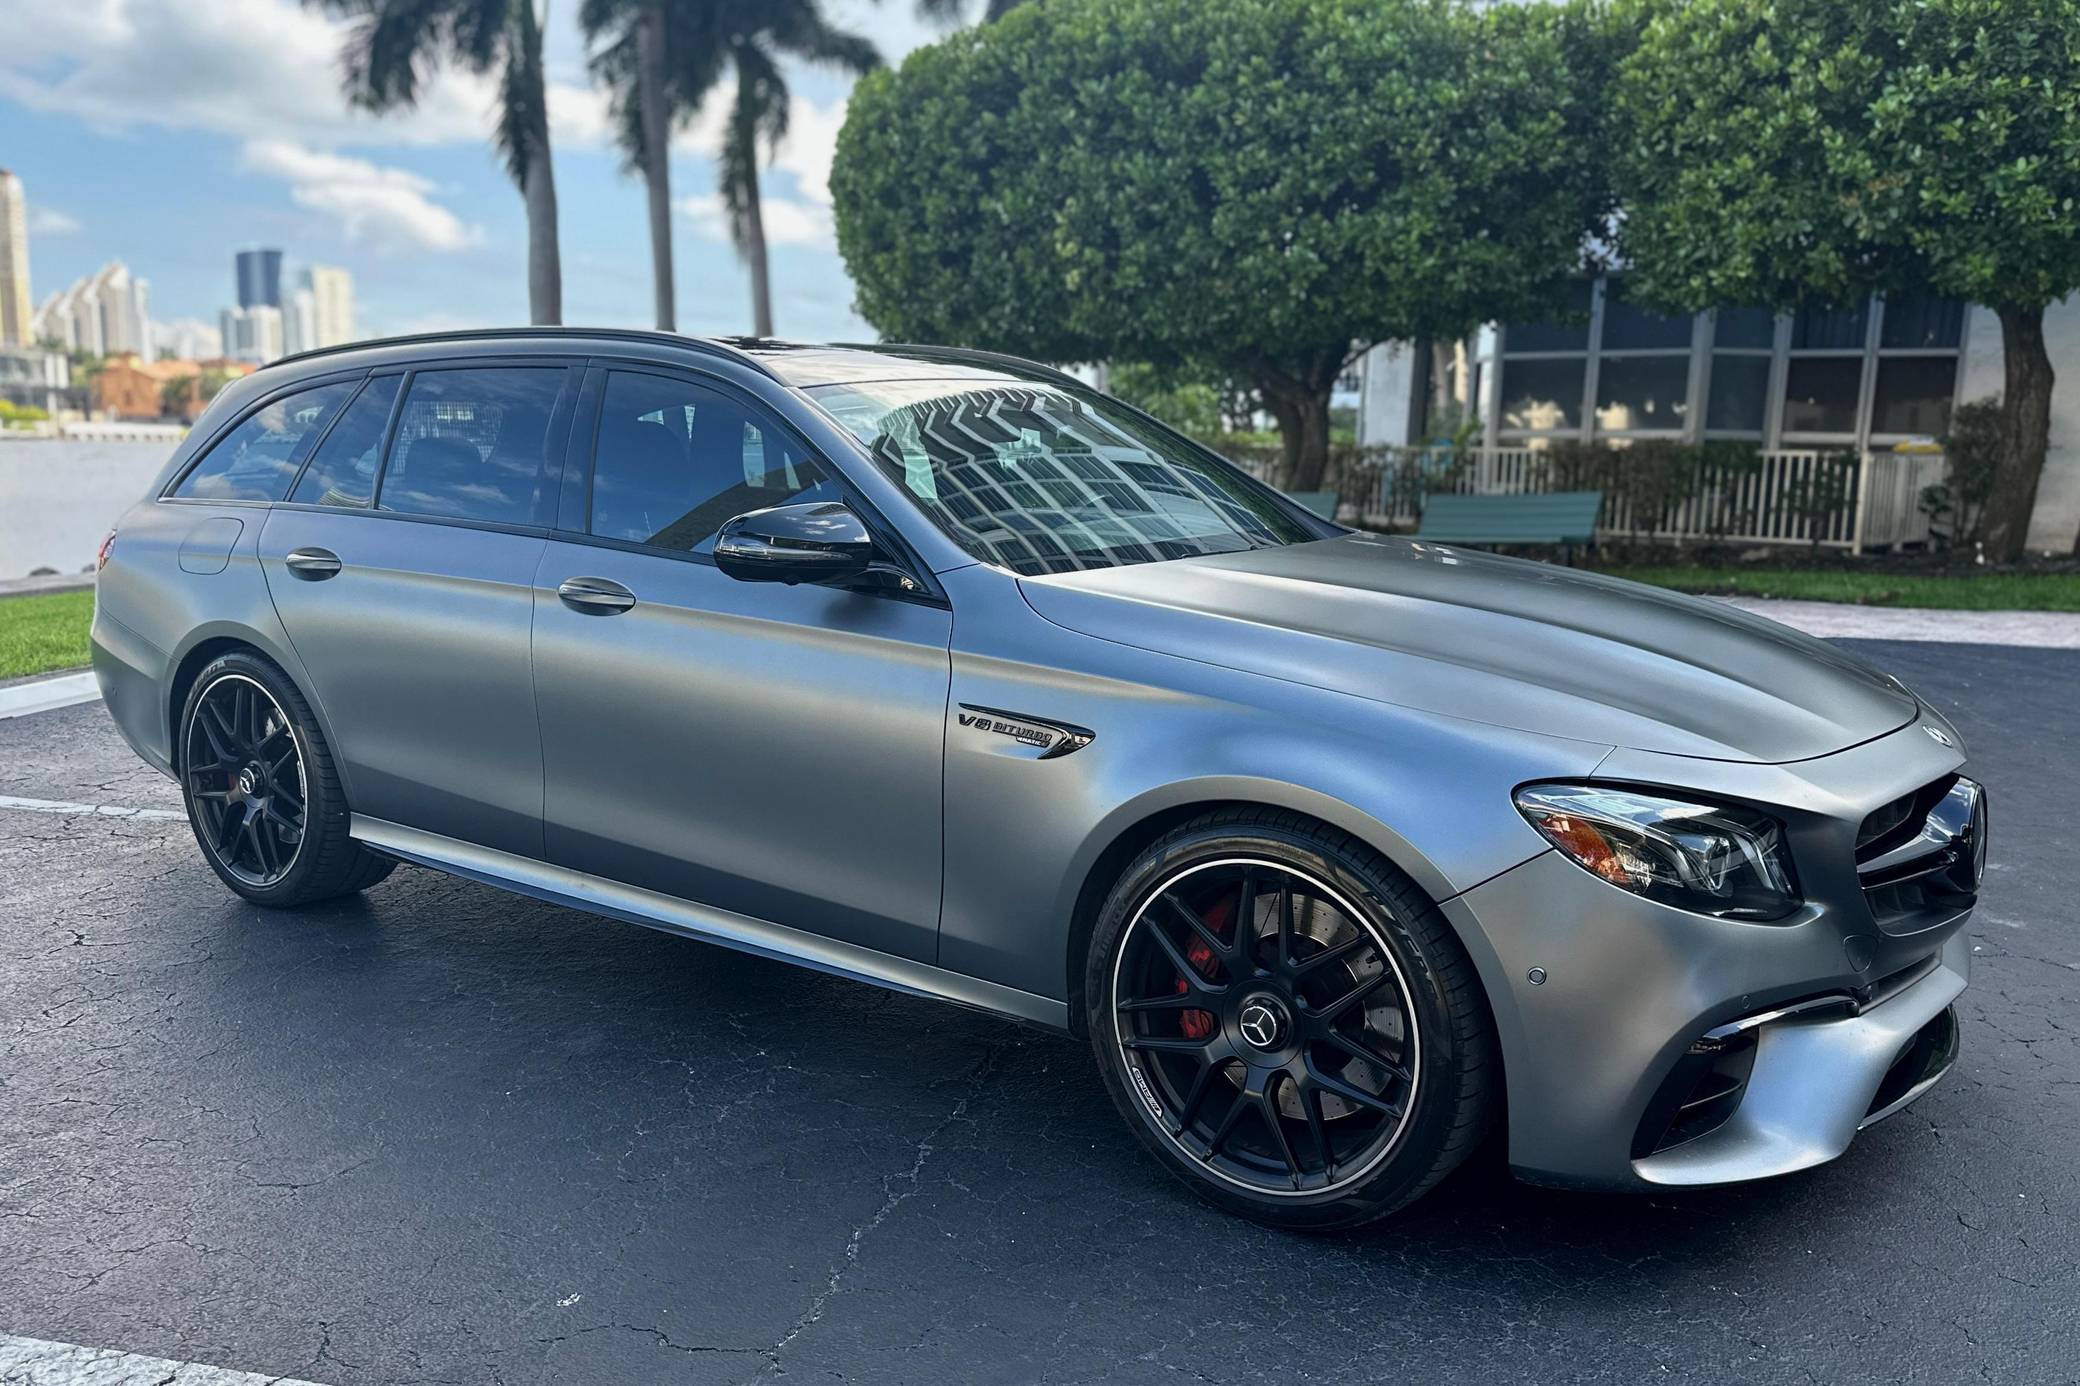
<point x="1919" y="858"/>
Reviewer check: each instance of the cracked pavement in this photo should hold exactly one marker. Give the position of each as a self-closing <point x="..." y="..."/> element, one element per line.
<point x="446" y="1134"/>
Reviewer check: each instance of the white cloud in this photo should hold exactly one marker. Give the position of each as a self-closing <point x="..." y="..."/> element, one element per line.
<point x="788" y="221"/>
<point x="389" y="206"/>
<point x="49" y="221"/>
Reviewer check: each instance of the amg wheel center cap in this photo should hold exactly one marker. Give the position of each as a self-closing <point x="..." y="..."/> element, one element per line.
<point x="1263" y="1022"/>
<point x="248" y="781"/>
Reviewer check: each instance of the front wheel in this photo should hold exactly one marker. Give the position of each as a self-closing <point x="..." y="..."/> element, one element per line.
<point x="1287" y="1021"/>
<point x="262" y="793"/>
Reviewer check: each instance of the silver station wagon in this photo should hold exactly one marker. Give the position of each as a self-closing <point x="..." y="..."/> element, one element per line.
<point x="941" y="671"/>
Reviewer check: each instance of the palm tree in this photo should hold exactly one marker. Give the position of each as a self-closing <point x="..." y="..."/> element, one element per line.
<point x="633" y="54"/>
<point x="393" y="45"/>
<point x="954" y="11"/>
<point x="751" y="37"/>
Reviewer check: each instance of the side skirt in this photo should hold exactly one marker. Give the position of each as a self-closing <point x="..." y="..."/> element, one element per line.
<point x="562" y="886"/>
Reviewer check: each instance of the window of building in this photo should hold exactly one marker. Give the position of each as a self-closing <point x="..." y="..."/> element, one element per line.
<point x="344" y="470"/>
<point x="257" y="460"/>
<point x="1823" y="376"/>
<point x="675" y="461"/>
<point x="1914" y="395"/>
<point x="476" y="444"/>
<point x="1542" y="394"/>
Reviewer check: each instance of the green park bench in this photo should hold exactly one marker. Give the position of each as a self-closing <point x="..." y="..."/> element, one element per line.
<point x="1566" y="518"/>
<point x="1322" y="503"/>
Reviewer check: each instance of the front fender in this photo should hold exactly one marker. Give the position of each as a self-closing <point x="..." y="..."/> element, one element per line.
<point x="1024" y="831"/>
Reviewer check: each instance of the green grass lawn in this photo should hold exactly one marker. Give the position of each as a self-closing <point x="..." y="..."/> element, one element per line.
<point x="41" y="633"/>
<point x="1954" y="592"/>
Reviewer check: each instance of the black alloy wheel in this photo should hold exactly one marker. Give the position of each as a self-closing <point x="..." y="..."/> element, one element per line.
<point x="1267" y="1026"/>
<point x="244" y="773"/>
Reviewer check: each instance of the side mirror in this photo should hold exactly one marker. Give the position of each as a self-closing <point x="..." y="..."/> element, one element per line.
<point x="819" y="541"/>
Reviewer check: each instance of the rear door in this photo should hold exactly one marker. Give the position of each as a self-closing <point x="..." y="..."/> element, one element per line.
<point x="404" y="575"/>
<point x="770" y="750"/>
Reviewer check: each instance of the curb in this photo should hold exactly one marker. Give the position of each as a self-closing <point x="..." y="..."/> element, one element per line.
<point x="48" y="695"/>
<point x="49" y="582"/>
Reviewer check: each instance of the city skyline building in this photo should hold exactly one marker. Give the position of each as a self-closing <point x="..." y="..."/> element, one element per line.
<point x="300" y="322"/>
<point x="332" y="304"/>
<point x="105" y="313"/>
<point x="15" y="311"/>
<point x="252" y="334"/>
<point x="259" y="277"/>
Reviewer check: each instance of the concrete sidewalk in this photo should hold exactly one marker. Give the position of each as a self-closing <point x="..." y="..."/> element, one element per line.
<point x="2037" y="630"/>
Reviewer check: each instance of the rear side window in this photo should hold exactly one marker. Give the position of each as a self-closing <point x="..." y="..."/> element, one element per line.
<point x="476" y="445"/>
<point x="675" y="461"/>
<point x="257" y="460"/>
<point x="344" y="470"/>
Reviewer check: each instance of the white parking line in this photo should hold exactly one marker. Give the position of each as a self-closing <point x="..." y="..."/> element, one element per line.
<point x="35" y="1362"/>
<point x="44" y="695"/>
<point x="9" y="801"/>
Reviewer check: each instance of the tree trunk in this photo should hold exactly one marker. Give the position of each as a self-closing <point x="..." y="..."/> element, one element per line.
<point x="544" y="259"/>
<point x="657" y="159"/>
<point x="1299" y="401"/>
<point x="2025" y="432"/>
<point x="755" y="254"/>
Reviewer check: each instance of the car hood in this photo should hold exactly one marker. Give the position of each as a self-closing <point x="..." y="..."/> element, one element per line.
<point x="1517" y="644"/>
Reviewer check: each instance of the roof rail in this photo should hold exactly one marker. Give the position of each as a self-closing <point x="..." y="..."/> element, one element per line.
<point x="972" y="355"/>
<point x="707" y="344"/>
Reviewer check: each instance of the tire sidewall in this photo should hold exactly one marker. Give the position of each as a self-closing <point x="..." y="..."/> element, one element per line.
<point x="319" y="806"/>
<point x="1407" y="1167"/>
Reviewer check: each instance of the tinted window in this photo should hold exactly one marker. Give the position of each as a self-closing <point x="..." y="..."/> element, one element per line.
<point x="1915" y="320"/>
<point x="344" y="470"/>
<point x="1628" y="327"/>
<point x="676" y="460"/>
<point x="1042" y="479"/>
<point x="1569" y="332"/>
<point x="475" y="445"/>
<point x="1820" y="395"/>
<point x="1540" y="394"/>
<point x="1643" y="392"/>
<point x="256" y="460"/>
<point x="1740" y="393"/>
<point x="1914" y="394"/>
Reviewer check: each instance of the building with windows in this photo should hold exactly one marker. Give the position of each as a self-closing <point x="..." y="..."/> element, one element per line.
<point x="15" y="314"/>
<point x="1868" y="376"/>
<point x="37" y="378"/>
<point x="253" y="334"/>
<point x="332" y="305"/>
<point x="259" y="274"/>
<point x="105" y="313"/>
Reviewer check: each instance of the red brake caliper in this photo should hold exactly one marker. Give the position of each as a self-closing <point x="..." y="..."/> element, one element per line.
<point x="1198" y="1024"/>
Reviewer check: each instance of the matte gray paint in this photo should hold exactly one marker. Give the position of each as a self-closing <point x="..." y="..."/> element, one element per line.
<point x="779" y="768"/>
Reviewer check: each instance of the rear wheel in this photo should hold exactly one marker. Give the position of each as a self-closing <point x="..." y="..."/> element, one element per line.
<point x="1287" y="1021"/>
<point x="262" y="793"/>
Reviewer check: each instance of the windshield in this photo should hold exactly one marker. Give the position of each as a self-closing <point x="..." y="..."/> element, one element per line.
<point x="1037" y="479"/>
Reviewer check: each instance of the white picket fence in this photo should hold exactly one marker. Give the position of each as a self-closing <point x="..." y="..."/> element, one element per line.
<point x="1831" y="500"/>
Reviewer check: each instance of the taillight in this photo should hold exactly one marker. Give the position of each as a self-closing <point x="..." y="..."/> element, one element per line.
<point x="107" y="547"/>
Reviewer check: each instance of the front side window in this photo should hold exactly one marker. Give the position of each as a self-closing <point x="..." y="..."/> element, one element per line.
<point x="257" y="460"/>
<point x="476" y="444"/>
<point x="1039" y="479"/>
<point x="676" y="461"/>
<point x="343" y="472"/>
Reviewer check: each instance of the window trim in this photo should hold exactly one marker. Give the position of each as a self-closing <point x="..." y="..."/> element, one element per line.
<point x="297" y="386"/>
<point x="382" y="443"/>
<point x="574" y="516"/>
<point x="566" y="399"/>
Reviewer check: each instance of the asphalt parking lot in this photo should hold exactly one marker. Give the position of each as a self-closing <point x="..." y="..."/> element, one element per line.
<point x="445" y="1134"/>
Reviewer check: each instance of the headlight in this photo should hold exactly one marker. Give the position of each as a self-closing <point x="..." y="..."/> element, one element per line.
<point x="1706" y="858"/>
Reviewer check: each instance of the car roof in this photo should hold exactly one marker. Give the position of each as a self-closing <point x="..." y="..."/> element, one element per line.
<point x="798" y="364"/>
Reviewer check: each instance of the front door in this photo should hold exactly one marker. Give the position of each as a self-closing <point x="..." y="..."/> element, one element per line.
<point x="411" y="606"/>
<point x="769" y="750"/>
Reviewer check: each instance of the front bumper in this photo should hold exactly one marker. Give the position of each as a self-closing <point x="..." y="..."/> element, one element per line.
<point x="1837" y="1019"/>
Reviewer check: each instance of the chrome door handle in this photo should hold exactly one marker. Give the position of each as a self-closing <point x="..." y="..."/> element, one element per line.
<point x="595" y="596"/>
<point x="313" y="565"/>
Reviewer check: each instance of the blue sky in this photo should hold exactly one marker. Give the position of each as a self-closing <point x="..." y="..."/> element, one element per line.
<point x="171" y="133"/>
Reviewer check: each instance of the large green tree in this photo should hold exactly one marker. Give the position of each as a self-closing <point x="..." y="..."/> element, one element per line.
<point x="1782" y="152"/>
<point x="1265" y="186"/>
<point x="393" y="46"/>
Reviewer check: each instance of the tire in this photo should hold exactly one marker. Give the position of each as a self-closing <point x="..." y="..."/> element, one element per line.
<point x="262" y="793"/>
<point x="1312" y="1074"/>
